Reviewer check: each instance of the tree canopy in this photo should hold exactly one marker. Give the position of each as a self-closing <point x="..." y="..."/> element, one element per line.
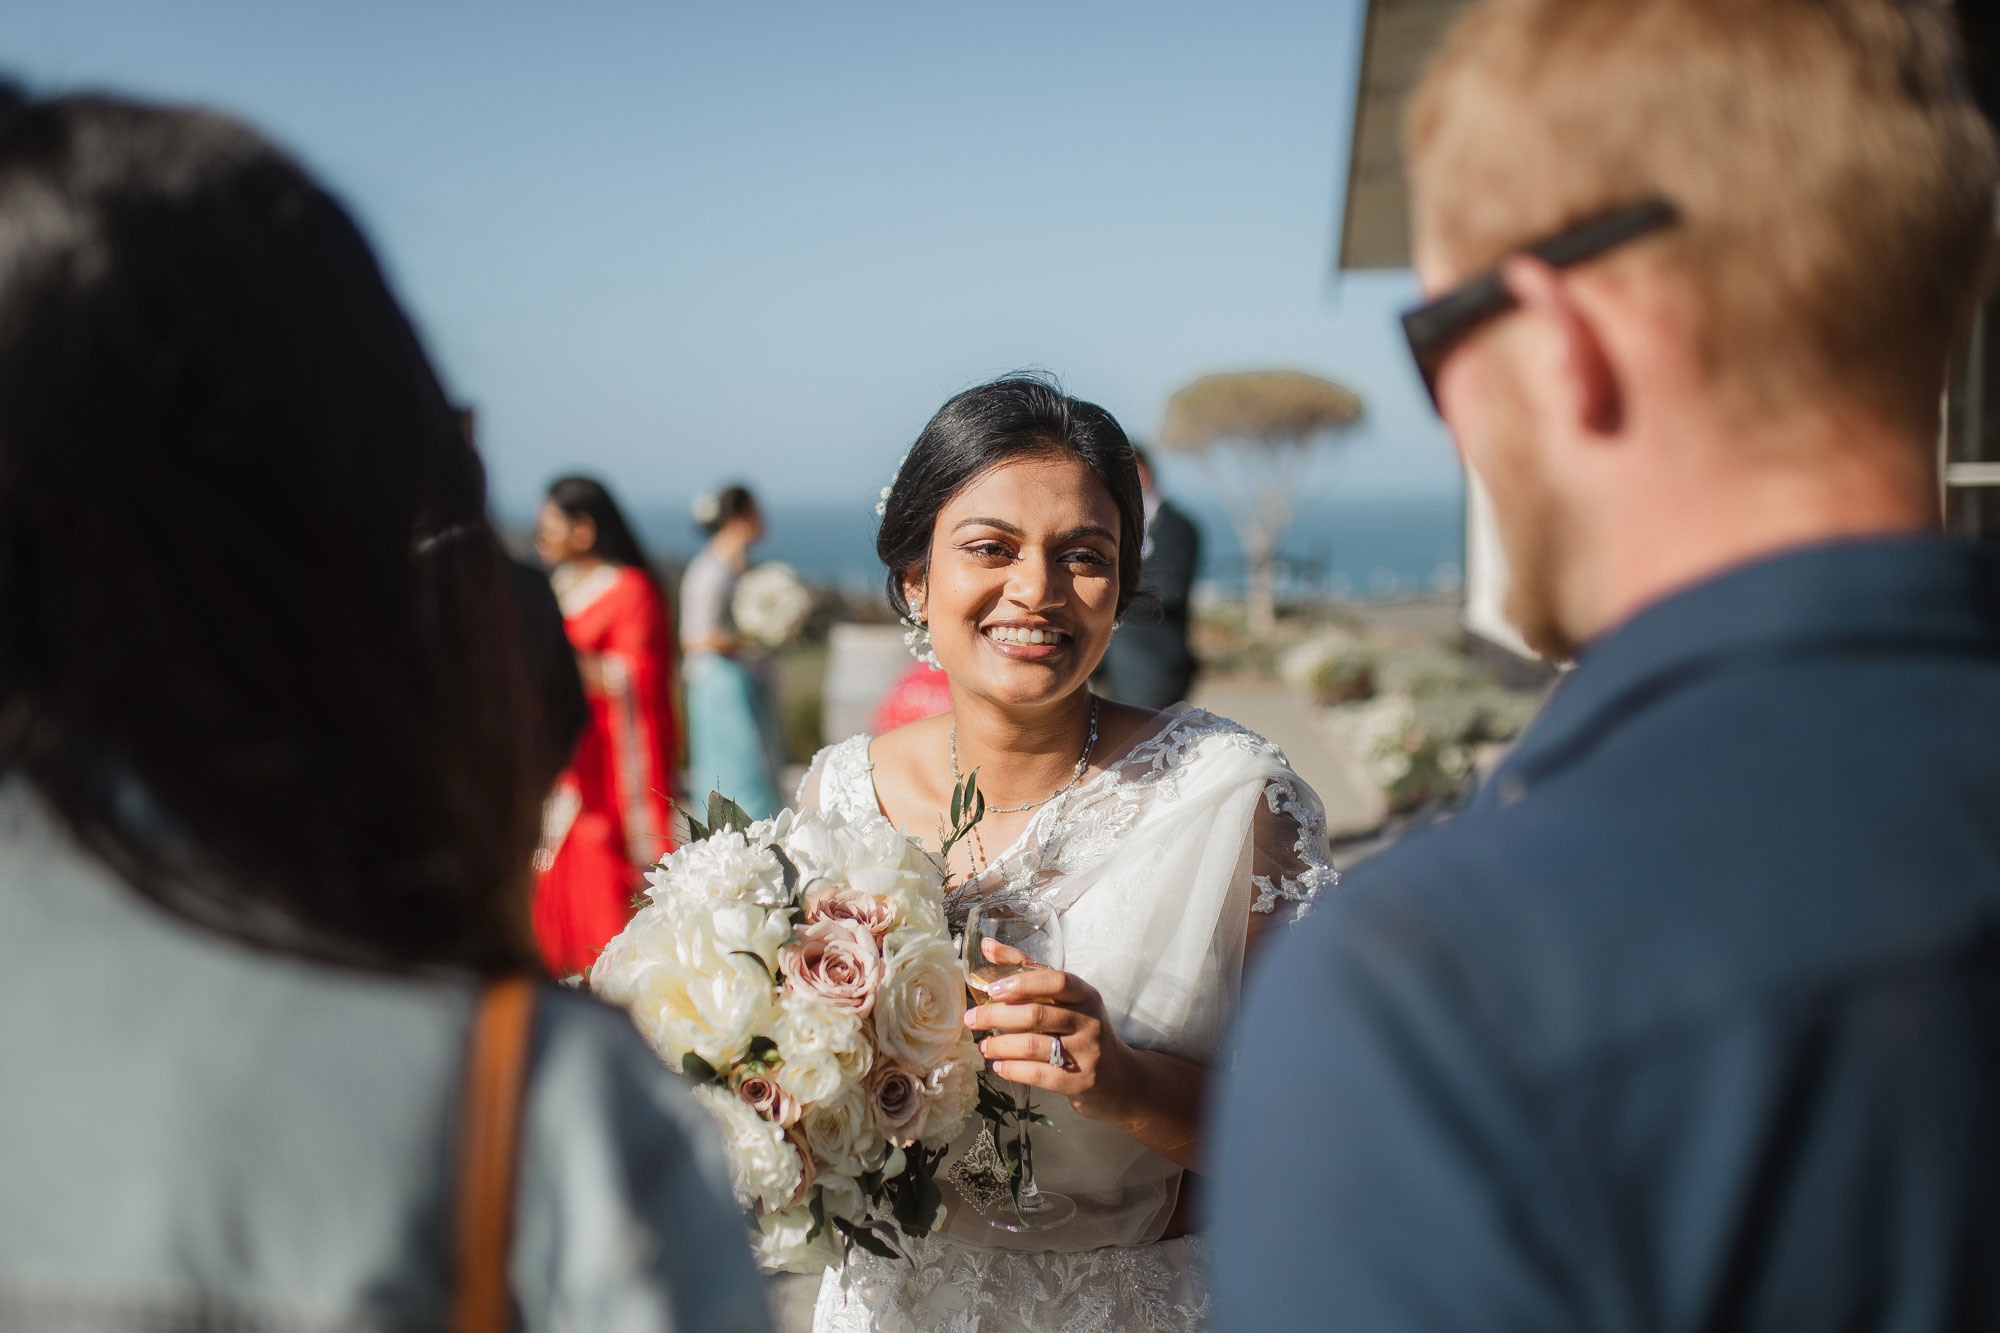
<point x="1257" y="406"/>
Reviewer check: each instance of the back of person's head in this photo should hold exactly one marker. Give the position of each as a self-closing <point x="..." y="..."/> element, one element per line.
<point x="257" y="645"/>
<point x="1833" y="178"/>
<point x="716" y="509"/>
<point x="587" y="497"/>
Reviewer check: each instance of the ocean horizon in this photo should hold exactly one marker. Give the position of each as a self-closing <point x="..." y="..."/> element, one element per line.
<point x="1340" y="548"/>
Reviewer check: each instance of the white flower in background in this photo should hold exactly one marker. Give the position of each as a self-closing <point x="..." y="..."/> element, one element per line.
<point x="781" y="1246"/>
<point x="726" y="865"/>
<point x="1379" y="731"/>
<point x="771" y="604"/>
<point x="764" y="1168"/>
<point x="920" y="1010"/>
<point x="693" y="981"/>
<point x="842" y="1133"/>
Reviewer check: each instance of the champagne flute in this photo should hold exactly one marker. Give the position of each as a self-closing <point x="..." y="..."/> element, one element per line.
<point x="1001" y="939"/>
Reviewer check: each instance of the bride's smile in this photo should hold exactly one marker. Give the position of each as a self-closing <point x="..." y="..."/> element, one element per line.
<point x="1021" y="592"/>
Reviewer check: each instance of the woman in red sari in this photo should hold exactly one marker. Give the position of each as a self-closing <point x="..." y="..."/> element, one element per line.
<point x="610" y="816"/>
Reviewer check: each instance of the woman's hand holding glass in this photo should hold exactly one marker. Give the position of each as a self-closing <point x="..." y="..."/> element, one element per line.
<point x="1025" y="1009"/>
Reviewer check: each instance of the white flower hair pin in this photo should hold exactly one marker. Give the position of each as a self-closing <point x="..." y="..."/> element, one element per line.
<point x="882" y="501"/>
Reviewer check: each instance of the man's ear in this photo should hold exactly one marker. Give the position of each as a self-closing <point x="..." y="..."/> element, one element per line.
<point x="1588" y="379"/>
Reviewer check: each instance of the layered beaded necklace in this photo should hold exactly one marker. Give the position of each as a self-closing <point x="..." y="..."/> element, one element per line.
<point x="1076" y="776"/>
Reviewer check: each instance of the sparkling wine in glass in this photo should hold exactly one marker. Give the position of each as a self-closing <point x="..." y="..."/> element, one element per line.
<point x="1001" y="939"/>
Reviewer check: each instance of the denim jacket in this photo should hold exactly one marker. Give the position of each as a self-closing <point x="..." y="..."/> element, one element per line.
<point x="197" y="1134"/>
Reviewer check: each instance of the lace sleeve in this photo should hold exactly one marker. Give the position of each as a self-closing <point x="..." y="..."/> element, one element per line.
<point x="1291" y="860"/>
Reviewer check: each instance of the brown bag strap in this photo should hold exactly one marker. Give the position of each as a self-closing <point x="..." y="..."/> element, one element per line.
<point x="495" y="1071"/>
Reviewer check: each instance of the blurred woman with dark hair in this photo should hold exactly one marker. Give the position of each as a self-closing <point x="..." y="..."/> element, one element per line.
<point x="732" y="746"/>
<point x="267" y="803"/>
<point x="611" y="814"/>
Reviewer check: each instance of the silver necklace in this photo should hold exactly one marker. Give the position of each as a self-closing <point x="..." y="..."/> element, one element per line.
<point x="1076" y="776"/>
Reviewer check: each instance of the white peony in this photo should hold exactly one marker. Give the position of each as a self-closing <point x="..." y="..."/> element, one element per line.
<point x="841" y="1132"/>
<point x="868" y="854"/>
<point x="951" y="1091"/>
<point x="764" y="1169"/>
<point x="724" y="865"/>
<point x="696" y="980"/>
<point x="781" y="1243"/>
<point x="920" y="1010"/>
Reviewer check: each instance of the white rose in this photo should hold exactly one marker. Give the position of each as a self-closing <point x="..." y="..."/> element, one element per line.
<point x="781" y="1245"/>
<point x="822" y="1049"/>
<point x="723" y="865"/>
<point x="920" y="1010"/>
<point x="951" y="1091"/>
<point x="764" y="1169"/>
<point x="841" y="1196"/>
<point x="696" y="977"/>
<point x="842" y="1133"/>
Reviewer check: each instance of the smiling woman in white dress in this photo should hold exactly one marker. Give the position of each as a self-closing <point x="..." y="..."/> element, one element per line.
<point x="1167" y="842"/>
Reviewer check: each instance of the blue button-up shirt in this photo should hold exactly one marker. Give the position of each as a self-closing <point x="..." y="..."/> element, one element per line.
<point x="1690" y="1021"/>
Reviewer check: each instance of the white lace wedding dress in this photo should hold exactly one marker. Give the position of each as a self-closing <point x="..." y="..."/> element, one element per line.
<point x="1156" y="864"/>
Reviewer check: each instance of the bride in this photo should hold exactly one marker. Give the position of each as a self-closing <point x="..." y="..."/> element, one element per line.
<point x="1165" y="840"/>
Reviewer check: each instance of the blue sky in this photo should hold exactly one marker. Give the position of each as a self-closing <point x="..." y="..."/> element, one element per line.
<point x="677" y="244"/>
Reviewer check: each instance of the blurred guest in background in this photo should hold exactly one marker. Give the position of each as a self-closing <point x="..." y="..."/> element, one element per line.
<point x="921" y="691"/>
<point x="558" y="710"/>
<point x="1149" y="662"/>
<point x="611" y="815"/>
<point x="1692" y="1019"/>
<point x="731" y="732"/>
<point x="267" y="806"/>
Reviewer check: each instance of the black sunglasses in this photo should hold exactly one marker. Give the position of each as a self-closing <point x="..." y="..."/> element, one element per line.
<point x="1436" y="326"/>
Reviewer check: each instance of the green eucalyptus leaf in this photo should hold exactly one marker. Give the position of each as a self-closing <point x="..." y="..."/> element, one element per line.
<point x="696" y="1068"/>
<point x="866" y="1237"/>
<point x="756" y="958"/>
<point x="790" y="871"/>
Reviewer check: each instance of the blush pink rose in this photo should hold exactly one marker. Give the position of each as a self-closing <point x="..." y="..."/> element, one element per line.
<point x="896" y="1100"/>
<point x="838" y="961"/>
<point x="870" y="910"/>
<point x="769" y="1100"/>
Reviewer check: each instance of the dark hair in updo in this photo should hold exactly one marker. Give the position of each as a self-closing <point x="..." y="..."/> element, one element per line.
<point x="1021" y="416"/>
<point x="731" y="502"/>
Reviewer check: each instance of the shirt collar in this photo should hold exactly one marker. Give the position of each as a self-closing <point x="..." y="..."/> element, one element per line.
<point x="1913" y="591"/>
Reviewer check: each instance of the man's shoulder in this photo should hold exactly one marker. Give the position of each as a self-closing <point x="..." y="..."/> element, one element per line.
<point x="1761" y="835"/>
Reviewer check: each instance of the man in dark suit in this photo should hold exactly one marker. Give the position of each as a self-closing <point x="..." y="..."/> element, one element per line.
<point x="1692" y="1019"/>
<point x="1149" y="662"/>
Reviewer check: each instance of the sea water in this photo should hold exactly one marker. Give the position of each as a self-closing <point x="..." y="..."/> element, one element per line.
<point x="1339" y="547"/>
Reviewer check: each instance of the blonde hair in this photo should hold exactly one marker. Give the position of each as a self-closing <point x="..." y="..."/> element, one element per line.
<point x="1835" y="179"/>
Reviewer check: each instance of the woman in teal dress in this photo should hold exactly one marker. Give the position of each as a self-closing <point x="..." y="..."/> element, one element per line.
<point x="731" y="739"/>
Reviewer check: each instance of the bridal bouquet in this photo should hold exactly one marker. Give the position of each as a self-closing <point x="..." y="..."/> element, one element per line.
<point x="771" y="604"/>
<point x="800" y="972"/>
